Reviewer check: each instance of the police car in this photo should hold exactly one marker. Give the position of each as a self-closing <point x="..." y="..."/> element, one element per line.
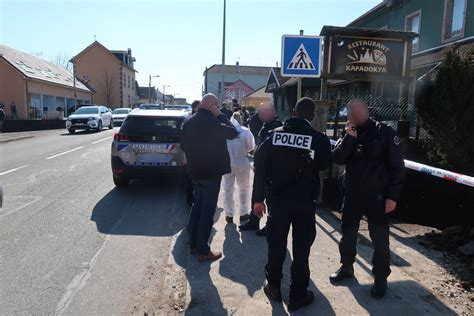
<point x="148" y="144"/>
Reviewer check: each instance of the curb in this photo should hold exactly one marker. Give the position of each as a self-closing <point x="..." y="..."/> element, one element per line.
<point x="7" y="140"/>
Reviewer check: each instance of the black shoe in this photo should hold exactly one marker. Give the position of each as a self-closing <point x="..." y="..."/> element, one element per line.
<point x="295" y="304"/>
<point x="244" y="218"/>
<point x="250" y="225"/>
<point x="273" y="292"/>
<point x="344" y="272"/>
<point x="379" y="288"/>
<point x="229" y="219"/>
<point x="261" y="232"/>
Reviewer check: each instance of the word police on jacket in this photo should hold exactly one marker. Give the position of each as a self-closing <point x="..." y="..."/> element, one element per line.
<point x="292" y="140"/>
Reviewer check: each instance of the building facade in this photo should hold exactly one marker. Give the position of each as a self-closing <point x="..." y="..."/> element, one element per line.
<point x="257" y="97"/>
<point x="110" y="73"/>
<point x="37" y="88"/>
<point x="441" y="25"/>
<point x="252" y="76"/>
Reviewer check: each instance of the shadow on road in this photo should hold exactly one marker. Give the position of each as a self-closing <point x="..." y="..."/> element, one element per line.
<point x="146" y="208"/>
<point x="204" y="297"/>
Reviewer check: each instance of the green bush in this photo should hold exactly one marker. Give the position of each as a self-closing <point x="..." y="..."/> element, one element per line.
<point x="446" y="109"/>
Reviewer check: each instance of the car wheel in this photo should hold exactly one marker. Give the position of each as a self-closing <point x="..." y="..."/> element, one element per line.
<point x="71" y="131"/>
<point x="99" y="127"/>
<point x="121" y="182"/>
<point x="111" y="125"/>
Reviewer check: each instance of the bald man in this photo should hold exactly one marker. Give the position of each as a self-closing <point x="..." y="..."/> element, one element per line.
<point x="373" y="180"/>
<point x="204" y="142"/>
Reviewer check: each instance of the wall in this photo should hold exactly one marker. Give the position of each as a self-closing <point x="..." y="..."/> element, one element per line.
<point x="213" y="79"/>
<point x="102" y="69"/>
<point x="432" y="14"/>
<point x="12" y="88"/>
<point x="128" y="87"/>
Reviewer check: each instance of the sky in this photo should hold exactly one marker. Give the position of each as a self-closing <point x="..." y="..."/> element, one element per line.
<point x="175" y="39"/>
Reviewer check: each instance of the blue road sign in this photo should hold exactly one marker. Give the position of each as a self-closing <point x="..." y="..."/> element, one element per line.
<point x="301" y="56"/>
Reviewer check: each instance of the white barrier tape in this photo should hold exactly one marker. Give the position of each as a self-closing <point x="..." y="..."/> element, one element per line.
<point x="436" y="172"/>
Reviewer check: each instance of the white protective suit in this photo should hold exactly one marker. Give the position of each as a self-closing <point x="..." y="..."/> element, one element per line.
<point x="238" y="150"/>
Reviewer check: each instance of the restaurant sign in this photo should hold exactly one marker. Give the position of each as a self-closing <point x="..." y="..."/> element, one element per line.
<point x="352" y="57"/>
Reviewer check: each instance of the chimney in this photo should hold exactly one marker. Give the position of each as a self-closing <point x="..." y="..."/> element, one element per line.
<point x="277" y="64"/>
<point x="237" y="67"/>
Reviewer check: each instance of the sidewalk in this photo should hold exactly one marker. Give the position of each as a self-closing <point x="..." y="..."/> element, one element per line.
<point x="233" y="285"/>
<point x="10" y="137"/>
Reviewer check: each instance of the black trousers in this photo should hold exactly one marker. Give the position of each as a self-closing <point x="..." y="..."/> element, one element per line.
<point x="302" y="219"/>
<point x="374" y="209"/>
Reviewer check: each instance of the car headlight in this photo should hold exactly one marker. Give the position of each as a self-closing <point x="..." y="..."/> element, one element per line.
<point x="92" y="118"/>
<point x="69" y="119"/>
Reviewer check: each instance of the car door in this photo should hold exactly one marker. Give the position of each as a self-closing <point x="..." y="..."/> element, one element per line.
<point x="103" y="116"/>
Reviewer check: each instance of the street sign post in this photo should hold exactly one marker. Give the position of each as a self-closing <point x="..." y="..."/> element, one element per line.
<point x="301" y="56"/>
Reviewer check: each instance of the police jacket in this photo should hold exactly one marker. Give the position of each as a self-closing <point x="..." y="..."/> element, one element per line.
<point x="288" y="163"/>
<point x="374" y="161"/>
<point x="204" y="141"/>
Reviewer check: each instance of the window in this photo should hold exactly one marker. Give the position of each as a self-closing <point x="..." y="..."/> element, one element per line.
<point x="124" y="80"/>
<point x="454" y="19"/>
<point x="413" y="24"/>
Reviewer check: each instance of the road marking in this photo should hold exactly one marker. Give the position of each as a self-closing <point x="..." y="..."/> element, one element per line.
<point x="101" y="140"/>
<point x="63" y="153"/>
<point x="12" y="170"/>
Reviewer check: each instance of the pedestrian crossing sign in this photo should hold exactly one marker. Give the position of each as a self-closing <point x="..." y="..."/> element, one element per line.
<point x="301" y="56"/>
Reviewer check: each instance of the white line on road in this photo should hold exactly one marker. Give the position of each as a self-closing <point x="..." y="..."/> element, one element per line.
<point x="12" y="170"/>
<point x="63" y="153"/>
<point x="101" y="140"/>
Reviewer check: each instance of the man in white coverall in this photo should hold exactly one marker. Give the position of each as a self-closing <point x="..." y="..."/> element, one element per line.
<point x="241" y="167"/>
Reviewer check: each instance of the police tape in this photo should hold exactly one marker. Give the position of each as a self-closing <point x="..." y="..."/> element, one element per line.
<point x="436" y="172"/>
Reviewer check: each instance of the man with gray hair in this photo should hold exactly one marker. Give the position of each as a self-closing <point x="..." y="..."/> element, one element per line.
<point x="204" y="141"/>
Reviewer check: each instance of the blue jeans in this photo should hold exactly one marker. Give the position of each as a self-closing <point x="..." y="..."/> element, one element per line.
<point x="201" y="218"/>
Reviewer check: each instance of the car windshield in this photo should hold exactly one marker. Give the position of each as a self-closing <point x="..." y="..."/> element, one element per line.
<point x="87" y="111"/>
<point x="121" y="111"/>
<point x="151" y="126"/>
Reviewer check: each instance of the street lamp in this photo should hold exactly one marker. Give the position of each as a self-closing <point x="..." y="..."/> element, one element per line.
<point x="164" y="94"/>
<point x="149" y="87"/>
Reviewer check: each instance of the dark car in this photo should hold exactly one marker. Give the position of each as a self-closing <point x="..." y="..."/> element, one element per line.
<point x="148" y="144"/>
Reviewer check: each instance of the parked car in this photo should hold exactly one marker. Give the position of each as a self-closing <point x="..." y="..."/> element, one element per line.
<point x="92" y="117"/>
<point x="119" y="115"/>
<point x="150" y="107"/>
<point x="148" y="144"/>
<point x="184" y="107"/>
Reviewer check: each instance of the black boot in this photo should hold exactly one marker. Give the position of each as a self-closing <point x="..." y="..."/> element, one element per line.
<point x="379" y="288"/>
<point x="229" y="219"/>
<point x="250" y="225"/>
<point x="295" y="304"/>
<point x="273" y="292"/>
<point x="344" y="272"/>
<point x="262" y="232"/>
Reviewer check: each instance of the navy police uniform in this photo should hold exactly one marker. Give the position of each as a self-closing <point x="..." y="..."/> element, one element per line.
<point x="374" y="172"/>
<point x="287" y="176"/>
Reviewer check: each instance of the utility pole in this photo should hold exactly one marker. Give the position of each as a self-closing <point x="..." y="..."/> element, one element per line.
<point x="221" y="97"/>
<point x="164" y="95"/>
<point x="149" y="87"/>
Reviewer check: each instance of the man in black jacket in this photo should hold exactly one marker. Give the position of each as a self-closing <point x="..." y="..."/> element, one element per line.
<point x="287" y="177"/>
<point x="373" y="180"/>
<point x="204" y="142"/>
<point x="268" y="116"/>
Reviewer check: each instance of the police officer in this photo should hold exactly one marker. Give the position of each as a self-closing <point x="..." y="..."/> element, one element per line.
<point x="287" y="176"/>
<point x="373" y="180"/>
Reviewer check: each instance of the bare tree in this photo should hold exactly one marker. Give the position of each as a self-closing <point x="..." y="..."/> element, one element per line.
<point x="62" y="60"/>
<point x="108" y="86"/>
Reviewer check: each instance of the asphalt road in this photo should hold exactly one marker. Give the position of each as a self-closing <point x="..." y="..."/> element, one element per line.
<point x="70" y="242"/>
